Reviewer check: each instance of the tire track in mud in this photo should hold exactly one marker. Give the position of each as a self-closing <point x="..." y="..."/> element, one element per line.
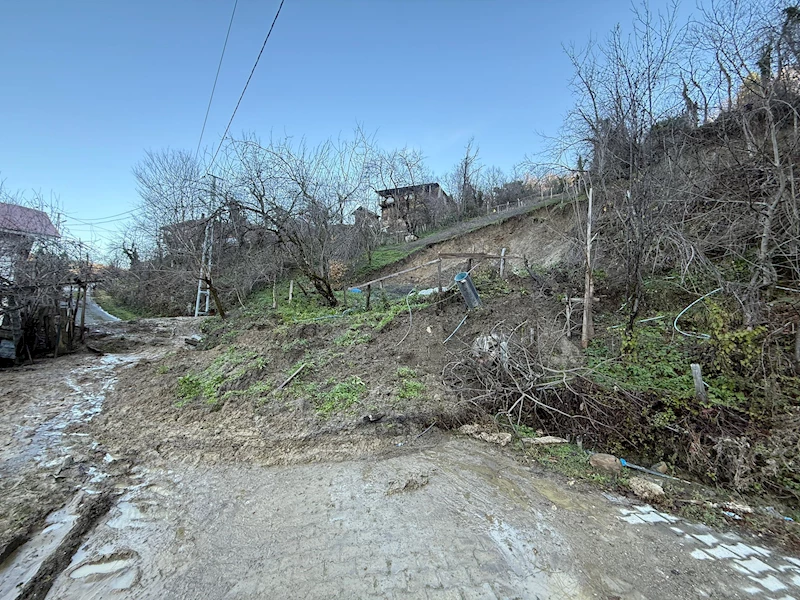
<point x="92" y="509"/>
<point x="33" y="558"/>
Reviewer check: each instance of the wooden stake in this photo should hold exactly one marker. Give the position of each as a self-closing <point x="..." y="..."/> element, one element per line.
<point x="291" y="290"/>
<point x="274" y="293"/>
<point x="83" y="310"/>
<point x="292" y="376"/>
<point x="439" y="268"/>
<point x="699" y="386"/>
<point x="502" y="262"/>
<point x="369" y="294"/>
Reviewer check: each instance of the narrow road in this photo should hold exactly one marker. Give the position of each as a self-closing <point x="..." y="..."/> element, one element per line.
<point x="95" y="314"/>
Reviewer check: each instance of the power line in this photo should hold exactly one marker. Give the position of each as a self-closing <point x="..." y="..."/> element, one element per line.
<point x="216" y="77"/>
<point x="108" y="219"/>
<point x="253" y="70"/>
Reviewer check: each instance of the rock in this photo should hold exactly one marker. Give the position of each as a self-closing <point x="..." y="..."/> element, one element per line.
<point x="471" y="429"/>
<point x="495" y="438"/>
<point x="646" y="490"/>
<point x="606" y="462"/>
<point x="544" y="440"/>
<point x="474" y="430"/>
<point x="738" y="508"/>
<point x="660" y="467"/>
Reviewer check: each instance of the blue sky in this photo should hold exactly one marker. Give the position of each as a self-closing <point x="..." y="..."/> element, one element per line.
<point x="86" y="86"/>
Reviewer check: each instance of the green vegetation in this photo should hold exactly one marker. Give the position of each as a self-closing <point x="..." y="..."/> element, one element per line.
<point x="568" y="460"/>
<point x="113" y="307"/>
<point x="655" y="360"/>
<point x="340" y="397"/>
<point x="353" y="336"/>
<point x="410" y="388"/>
<point x="381" y="257"/>
<point x="223" y="378"/>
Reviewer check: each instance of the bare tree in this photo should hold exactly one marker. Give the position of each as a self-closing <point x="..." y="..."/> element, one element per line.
<point x="303" y="196"/>
<point x="628" y="116"/>
<point x="464" y="182"/>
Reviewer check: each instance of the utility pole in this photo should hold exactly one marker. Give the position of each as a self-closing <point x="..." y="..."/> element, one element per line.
<point x="203" y="287"/>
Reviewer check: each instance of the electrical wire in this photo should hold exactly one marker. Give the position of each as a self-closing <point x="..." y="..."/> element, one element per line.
<point x="108" y="219"/>
<point x="216" y="78"/>
<point x="247" y="83"/>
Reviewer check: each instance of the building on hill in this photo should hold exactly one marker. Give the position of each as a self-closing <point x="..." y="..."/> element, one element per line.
<point x="412" y="208"/>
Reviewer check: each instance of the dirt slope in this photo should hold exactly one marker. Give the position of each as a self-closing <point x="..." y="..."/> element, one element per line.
<point x="545" y="237"/>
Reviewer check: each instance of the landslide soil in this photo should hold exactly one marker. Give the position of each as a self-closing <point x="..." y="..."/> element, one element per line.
<point x="146" y="415"/>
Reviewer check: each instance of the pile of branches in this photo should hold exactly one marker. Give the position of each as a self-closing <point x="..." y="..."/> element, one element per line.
<point x="510" y="375"/>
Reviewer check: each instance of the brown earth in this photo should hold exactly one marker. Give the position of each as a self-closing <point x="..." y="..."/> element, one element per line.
<point x="544" y="238"/>
<point x="284" y="427"/>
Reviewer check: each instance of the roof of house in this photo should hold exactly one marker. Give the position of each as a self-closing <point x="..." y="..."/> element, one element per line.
<point x="404" y="190"/>
<point x="21" y="219"/>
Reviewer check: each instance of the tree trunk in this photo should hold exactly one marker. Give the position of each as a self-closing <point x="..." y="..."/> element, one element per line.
<point x="215" y="296"/>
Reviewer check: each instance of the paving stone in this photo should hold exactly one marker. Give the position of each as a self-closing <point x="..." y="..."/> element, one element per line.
<point x="754" y="565"/>
<point x="772" y="583"/>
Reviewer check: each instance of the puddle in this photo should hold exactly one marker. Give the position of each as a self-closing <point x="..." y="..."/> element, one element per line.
<point x="100" y="568"/>
<point x="23" y="563"/>
<point x="99" y="577"/>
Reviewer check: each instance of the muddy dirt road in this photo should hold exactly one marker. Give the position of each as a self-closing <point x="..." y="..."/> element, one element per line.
<point x="435" y="517"/>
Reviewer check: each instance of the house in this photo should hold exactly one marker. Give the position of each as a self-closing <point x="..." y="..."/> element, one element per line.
<point x="365" y="218"/>
<point x="20" y="228"/>
<point x="411" y="208"/>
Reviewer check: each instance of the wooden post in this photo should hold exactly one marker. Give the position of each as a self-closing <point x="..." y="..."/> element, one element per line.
<point x="291" y="290"/>
<point x="588" y="324"/>
<point x="369" y="294"/>
<point x="699" y="386"/>
<point x="83" y="310"/>
<point x="502" y="262"/>
<point x="439" y="269"/>
<point x="568" y="315"/>
<point x="274" y="293"/>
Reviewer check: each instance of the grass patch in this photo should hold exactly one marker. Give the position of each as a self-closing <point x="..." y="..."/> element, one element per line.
<point x="569" y="460"/>
<point x="381" y="257"/>
<point x="410" y="388"/>
<point x="352" y="337"/>
<point x="340" y="397"/>
<point x="114" y="307"/>
<point x="225" y="371"/>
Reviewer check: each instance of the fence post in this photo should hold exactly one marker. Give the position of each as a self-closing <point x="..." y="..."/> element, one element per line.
<point x="502" y="262"/>
<point x="699" y="386"/>
<point x="291" y="290"/>
<point x="439" y="268"/>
